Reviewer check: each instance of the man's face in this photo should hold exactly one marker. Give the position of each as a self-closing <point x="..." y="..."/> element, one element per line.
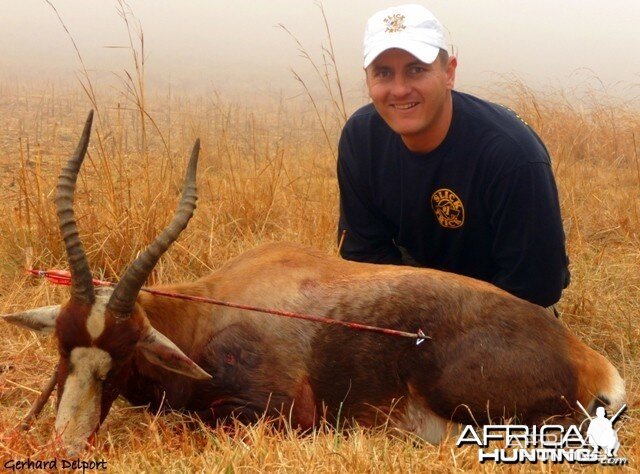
<point x="413" y="97"/>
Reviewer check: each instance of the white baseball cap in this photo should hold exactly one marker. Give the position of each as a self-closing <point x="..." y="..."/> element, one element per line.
<point x="409" y="27"/>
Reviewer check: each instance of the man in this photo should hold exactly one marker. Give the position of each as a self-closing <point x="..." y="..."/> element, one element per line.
<point x="432" y="177"/>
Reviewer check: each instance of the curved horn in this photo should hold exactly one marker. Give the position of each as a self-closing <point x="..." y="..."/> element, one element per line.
<point x="81" y="279"/>
<point x="124" y="294"/>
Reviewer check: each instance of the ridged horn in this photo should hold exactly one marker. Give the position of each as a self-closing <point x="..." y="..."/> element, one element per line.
<point x="81" y="279"/>
<point x="124" y="294"/>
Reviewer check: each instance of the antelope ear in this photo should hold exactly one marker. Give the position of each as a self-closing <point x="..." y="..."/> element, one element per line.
<point x="42" y="320"/>
<point x="160" y="350"/>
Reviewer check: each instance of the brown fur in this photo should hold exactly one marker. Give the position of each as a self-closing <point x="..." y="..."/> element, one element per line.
<point x="491" y="354"/>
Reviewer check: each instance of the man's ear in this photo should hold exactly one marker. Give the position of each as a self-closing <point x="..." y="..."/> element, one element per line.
<point x="161" y="351"/>
<point x="452" y="64"/>
<point x="42" y="320"/>
<point x="366" y="79"/>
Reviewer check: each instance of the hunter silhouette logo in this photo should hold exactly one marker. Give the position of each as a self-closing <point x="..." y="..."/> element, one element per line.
<point x="601" y="433"/>
<point x="394" y="23"/>
<point x="448" y="208"/>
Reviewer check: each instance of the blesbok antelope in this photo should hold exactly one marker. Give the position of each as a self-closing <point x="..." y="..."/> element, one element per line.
<point x="489" y="354"/>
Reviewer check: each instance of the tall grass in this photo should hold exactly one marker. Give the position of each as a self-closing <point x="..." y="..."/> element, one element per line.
<point x="327" y="73"/>
<point x="266" y="175"/>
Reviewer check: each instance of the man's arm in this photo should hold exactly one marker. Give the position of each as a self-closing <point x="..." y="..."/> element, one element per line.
<point x="529" y="244"/>
<point x="368" y="236"/>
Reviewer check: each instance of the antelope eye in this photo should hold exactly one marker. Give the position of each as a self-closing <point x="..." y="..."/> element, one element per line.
<point x="102" y="376"/>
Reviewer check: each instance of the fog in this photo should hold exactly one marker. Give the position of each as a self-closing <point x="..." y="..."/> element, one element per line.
<point x="222" y="45"/>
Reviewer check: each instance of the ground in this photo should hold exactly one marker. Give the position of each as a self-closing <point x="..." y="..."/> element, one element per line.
<point x="267" y="174"/>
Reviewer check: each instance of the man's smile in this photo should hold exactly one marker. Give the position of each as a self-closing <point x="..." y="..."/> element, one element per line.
<point x="406" y="106"/>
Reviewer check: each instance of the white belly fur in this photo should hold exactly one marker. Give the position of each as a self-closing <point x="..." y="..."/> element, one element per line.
<point x="415" y="417"/>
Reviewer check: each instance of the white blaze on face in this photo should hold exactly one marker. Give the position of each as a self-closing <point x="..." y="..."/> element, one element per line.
<point x="79" y="410"/>
<point x="95" y="321"/>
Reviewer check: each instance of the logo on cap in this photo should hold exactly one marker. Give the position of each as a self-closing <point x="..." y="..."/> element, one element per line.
<point x="394" y="23"/>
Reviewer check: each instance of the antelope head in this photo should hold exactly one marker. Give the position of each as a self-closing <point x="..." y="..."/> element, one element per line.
<point x="99" y="331"/>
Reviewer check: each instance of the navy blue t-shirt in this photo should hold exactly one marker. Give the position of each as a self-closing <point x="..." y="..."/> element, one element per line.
<point x="484" y="203"/>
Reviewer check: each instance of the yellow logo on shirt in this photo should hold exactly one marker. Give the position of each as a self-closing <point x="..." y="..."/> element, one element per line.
<point x="448" y="208"/>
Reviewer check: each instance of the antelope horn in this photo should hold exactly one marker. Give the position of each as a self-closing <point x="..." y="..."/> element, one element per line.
<point x="81" y="279"/>
<point x="126" y="291"/>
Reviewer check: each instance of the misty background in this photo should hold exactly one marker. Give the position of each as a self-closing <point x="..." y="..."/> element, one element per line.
<point x="204" y="45"/>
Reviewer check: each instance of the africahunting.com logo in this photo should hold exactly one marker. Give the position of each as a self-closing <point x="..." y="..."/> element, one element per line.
<point x="547" y="443"/>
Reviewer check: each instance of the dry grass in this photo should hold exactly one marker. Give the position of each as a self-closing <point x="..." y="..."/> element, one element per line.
<point x="267" y="173"/>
